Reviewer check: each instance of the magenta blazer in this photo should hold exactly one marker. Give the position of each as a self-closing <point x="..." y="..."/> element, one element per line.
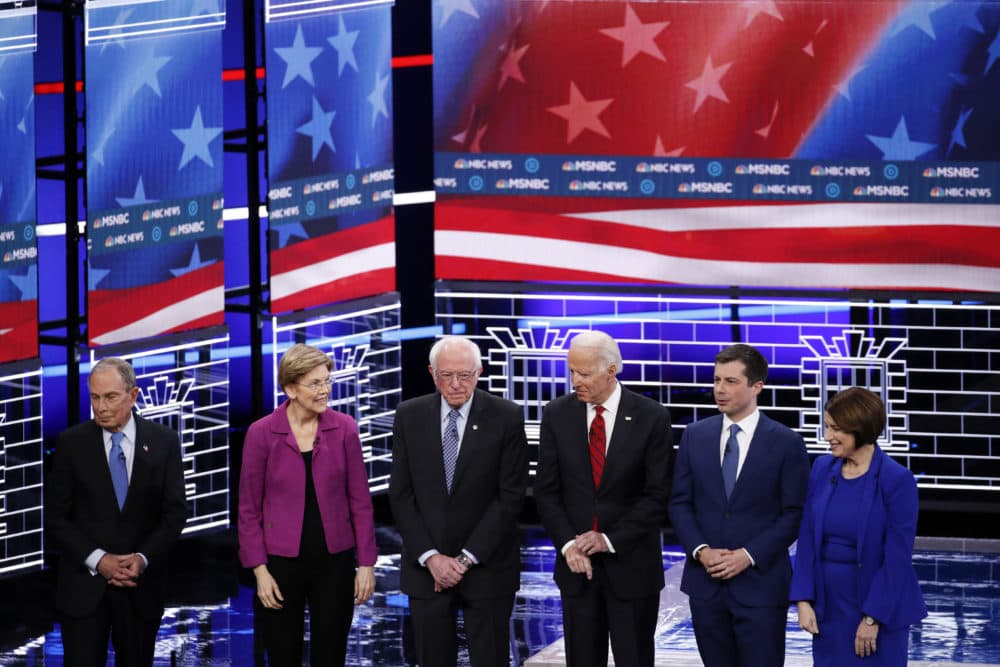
<point x="273" y="485"/>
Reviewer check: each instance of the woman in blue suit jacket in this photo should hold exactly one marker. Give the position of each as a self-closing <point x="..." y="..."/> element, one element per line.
<point x="854" y="581"/>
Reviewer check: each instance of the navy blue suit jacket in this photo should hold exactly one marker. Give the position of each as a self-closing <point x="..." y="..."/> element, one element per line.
<point x="762" y="515"/>
<point x="887" y="582"/>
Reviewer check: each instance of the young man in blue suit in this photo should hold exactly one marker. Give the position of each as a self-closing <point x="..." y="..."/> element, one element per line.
<point x="738" y="490"/>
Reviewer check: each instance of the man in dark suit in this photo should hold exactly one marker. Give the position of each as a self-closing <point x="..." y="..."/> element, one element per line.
<point x="601" y="491"/>
<point x="114" y="507"/>
<point x="459" y="472"/>
<point x="739" y="487"/>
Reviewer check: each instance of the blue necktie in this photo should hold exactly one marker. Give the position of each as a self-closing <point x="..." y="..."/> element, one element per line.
<point x="450" y="447"/>
<point x="730" y="460"/>
<point x="119" y="474"/>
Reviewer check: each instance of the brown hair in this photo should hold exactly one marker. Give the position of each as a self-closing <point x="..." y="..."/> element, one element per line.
<point x="859" y="412"/>
<point x="754" y="363"/>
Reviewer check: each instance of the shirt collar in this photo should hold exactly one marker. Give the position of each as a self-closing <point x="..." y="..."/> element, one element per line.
<point x="128" y="430"/>
<point x="612" y="402"/>
<point x="463" y="411"/>
<point x="748" y="424"/>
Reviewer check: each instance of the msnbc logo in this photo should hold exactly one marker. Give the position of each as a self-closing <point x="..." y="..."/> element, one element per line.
<point x="741" y="169"/>
<point x="684" y="187"/>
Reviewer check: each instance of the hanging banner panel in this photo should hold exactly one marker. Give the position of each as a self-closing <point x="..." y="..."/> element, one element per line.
<point x="154" y="169"/>
<point x="329" y="109"/>
<point x="18" y="206"/>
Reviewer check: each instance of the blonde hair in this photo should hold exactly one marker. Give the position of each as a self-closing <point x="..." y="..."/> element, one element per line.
<point x="298" y="360"/>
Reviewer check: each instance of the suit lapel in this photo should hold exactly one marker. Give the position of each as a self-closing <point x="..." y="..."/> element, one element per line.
<point x="97" y="453"/>
<point x="621" y="437"/>
<point x="708" y="456"/>
<point x="140" y="460"/>
<point x="823" y="495"/>
<point x="757" y="456"/>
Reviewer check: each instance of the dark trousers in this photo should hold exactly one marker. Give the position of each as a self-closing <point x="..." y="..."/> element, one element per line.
<point x="133" y="636"/>
<point x="591" y="618"/>
<point x="730" y="634"/>
<point x="487" y="629"/>
<point x="326" y="583"/>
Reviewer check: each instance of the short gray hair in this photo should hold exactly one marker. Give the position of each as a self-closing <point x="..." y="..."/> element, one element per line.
<point x="118" y="365"/>
<point x="605" y="345"/>
<point x="459" y="341"/>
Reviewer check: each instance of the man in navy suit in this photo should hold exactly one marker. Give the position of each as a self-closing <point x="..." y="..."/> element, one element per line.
<point x="738" y="491"/>
<point x="601" y="490"/>
<point x="115" y="506"/>
<point x="459" y="473"/>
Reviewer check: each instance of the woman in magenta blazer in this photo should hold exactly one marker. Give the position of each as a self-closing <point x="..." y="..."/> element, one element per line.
<point x="305" y="516"/>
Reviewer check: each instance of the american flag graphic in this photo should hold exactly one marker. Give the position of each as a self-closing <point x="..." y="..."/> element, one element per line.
<point x="331" y="228"/>
<point x="889" y="85"/>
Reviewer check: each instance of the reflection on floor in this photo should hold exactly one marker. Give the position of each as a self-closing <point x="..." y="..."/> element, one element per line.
<point x="960" y="581"/>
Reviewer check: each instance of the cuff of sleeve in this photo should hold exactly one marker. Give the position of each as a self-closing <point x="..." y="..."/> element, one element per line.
<point x="566" y="547"/>
<point x="471" y="556"/>
<point x="753" y="563"/>
<point x="425" y="555"/>
<point x="93" y="559"/>
<point x="607" y="540"/>
<point x="694" y="554"/>
<point x="145" y="561"/>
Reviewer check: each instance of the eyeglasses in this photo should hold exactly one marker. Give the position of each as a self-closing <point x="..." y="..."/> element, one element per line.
<point x="317" y="385"/>
<point x="462" y="377"/>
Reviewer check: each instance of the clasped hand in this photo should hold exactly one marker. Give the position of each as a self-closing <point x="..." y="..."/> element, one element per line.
<point x="447" y="571"/>
<point x="723" y="563"/>
<point x="121" y="570"/>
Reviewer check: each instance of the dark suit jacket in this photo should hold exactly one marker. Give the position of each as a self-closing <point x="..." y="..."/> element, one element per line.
<point x="631" y="501"/>
<point x="762" y="514"/>
<point x="480" y="513"/>
<point x="887" y="527"/>
<point x="81" y="513"/>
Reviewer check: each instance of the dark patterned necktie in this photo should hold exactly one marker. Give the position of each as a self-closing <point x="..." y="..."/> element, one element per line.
<point x="730" y="460"/>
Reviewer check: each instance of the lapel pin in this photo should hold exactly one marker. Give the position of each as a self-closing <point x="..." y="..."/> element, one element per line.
<point x="145" y="448"/>
<point x="475" y="427"/>
<point x="627" y="418"/>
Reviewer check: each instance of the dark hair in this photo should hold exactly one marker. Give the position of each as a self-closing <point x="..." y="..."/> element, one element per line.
<point x="754" y="363"/>
<point x="859" y="412"/>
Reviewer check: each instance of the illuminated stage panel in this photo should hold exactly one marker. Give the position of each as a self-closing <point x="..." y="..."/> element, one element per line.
<point x="184" y="385"/>
<point x="933" y="363"/>
<point x="21" y="540"/>
<point x="362" y="339"/>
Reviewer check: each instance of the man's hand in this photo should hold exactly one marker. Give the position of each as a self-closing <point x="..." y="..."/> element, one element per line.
<point x="591" y="542"/>
<point x="447" y="571"/>
<point x="724" y="563"/>
<point x="579" y="562"/>
<point x="134" y="564"/>
<point x="114" y="570"/>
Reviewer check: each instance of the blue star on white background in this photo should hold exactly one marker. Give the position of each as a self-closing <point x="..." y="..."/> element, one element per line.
<point x="28" y="283"/>
<point x="343" y="42"/>
<point x="377" y="98"/>
<point x="193" y="265"/>
<point x="958" y="134"/>
<point x="196" y="139"/>
<point x="899" y="146"/>
<point x="286" y="232"/>
<point x="299" y="59"/>
<point x="319" y="128"/>
<point x="137" y="199"/>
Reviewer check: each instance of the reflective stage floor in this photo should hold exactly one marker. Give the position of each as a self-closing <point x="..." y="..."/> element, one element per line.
<point x="211" y="621"/>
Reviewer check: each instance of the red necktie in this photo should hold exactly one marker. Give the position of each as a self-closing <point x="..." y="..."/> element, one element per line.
<point x="597" y="445"/>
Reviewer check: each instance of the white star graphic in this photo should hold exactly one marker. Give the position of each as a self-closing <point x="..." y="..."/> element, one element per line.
<point x="757" y="7"/>
<point x="196" y="140"/>
<point x="461" y="136"/>
<point x="510" y="67"/>
<point x="449" y="7"/>
<point x="318" y="128"/>
<point x="917" y="14"/>
<point x="637" y="37"/>
<point x="377" y="98"/>
<point x="581" y="114"/>
<point x="343" y="42"/>
<point x="147" y="73"/>
<point x="844" y="86"/>
<point x="299" y="59"/>
<point x="899" y="146"/>
<point x="707" y="85"/>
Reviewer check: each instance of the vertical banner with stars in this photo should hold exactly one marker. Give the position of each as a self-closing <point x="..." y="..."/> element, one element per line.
<point x="831" y="144"/>
<point x="329" y="118"/>
<point x="19" y="269"/>
<point x="154" y="167"/>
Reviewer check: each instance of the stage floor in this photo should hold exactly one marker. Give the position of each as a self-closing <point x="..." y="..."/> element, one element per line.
<point x="211" y="623"/>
